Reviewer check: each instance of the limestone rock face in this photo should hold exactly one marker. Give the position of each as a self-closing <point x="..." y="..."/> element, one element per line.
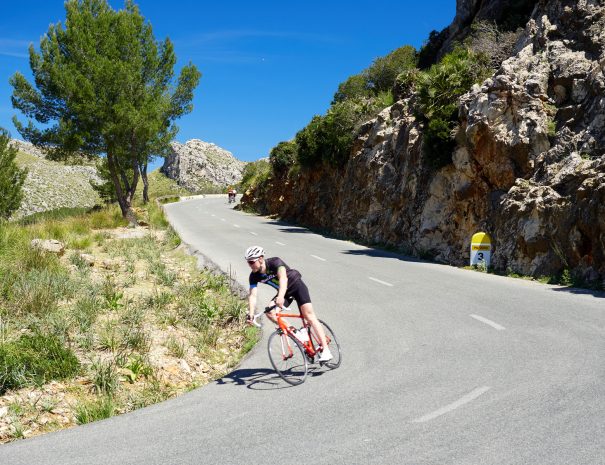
<point x="529" y="166"/>
<point x="197" y="163"/>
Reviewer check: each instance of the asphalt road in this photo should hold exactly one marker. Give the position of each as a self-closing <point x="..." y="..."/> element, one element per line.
<point x="440" y="366"/>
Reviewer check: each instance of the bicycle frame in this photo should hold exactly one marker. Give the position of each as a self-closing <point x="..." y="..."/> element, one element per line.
<point x="307" y="345"/>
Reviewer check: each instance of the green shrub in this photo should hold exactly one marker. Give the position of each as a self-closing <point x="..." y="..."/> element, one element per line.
<point x="431" y="47"/>
<point x="58" y="215"/>
<point x="381" y="74"/>
<point x="355" y="87"/>
<point x="438" y="91"/>
<point x="405" y="83"/>
<point x="35" y="359"/>
<point x="11" y="177"/>
<point x="38" y="291"/>
<point x="329" y="138"/>
<point x="105" y="377"/>
<point x="283" y="156"/>
<point x="254" y="174"/>
<point x="87" y="412"/>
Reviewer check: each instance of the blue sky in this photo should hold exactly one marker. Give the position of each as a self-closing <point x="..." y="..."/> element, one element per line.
<point x="267" y="66"/>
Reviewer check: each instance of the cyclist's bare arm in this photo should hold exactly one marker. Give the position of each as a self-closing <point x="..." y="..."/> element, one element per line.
<point x="252" y="296"/>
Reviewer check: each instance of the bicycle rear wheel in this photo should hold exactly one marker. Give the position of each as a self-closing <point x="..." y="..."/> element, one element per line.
<point x="333" y="345"/>
<point x="288" y="358"/>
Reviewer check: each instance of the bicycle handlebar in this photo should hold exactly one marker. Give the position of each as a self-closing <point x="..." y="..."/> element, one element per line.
<point x="255" y="321"/>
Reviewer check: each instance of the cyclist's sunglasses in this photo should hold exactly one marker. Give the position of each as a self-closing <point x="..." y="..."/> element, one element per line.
<point x="252" y="262"/>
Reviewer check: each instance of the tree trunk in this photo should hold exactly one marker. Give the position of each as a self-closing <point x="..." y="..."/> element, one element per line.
<point x="125" y="201"/>
<point x="135" y="181"/>
<point x="145" y="183"/>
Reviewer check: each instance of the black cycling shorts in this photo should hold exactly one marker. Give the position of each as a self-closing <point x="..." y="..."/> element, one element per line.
<point x="299" y="292"/>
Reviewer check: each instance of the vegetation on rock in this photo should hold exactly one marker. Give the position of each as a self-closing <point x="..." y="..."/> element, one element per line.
<point x="11" y="178"/>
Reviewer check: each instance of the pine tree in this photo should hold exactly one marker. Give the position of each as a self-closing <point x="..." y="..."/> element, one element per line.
<point x="11" y="178"/>
<point x="104" y="87"/>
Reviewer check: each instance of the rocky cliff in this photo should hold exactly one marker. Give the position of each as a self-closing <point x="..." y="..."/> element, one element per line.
<point x="528" y="168"/>
<point x="196" y="163"/>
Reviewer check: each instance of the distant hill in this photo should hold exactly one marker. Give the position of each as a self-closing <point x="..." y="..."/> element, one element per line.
<point x="51" y="185"/>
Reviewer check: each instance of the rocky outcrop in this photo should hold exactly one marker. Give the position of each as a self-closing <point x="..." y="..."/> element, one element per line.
<point x="196" y="163"/>
<point x="529" y="166"/>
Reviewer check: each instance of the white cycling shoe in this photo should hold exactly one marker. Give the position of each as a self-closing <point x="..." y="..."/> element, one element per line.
<point x="325" y="356"/>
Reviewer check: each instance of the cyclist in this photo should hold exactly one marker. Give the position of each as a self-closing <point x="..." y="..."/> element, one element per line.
<point x="231" y="194"/>
<point x="274" y="272"/>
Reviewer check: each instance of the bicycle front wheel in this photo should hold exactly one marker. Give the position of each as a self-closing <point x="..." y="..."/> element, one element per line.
<point x="332" y="344"/>
<point x="288" y="358"/>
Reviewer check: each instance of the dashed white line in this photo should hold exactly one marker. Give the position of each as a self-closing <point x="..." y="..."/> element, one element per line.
<point x="488" y="322"/>
<point x="223" y="219"/>
<point x="279" y="243"/>
<point x="237" y="225"/>
<point x="213" y="215"/>
<point x="454" y="405"/>
<point x="381" y="282"/>
<point x="253" y="233"/>
<point x="319" y="258"/>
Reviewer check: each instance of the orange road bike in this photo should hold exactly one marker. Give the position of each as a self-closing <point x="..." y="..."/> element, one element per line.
<point x="291" y="349"/>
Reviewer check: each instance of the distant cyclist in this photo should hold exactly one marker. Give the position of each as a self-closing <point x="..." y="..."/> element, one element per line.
<point x="289" y="285"/>
<point x="231" y="194"/>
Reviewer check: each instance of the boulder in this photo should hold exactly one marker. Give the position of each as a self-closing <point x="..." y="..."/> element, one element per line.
<point x="49" y="245"/>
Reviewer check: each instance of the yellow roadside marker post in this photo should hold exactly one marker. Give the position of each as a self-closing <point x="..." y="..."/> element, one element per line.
<point x="481" y="250"/>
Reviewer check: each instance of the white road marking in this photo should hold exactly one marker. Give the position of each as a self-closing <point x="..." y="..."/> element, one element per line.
<point x="488" y="322"/>
<point x="237" y="225"/>
<point x="454" y="405"/>
<point x="279" y="243"/>
<point x="223" y="219"/>
<point x="253" y="233"/>
<point x="319" y="258"/>
<point x="213" y="215"/>
<point x="381" y="282"/>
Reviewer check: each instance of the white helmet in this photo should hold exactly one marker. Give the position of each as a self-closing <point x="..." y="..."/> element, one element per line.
<point x="254" y="252"/>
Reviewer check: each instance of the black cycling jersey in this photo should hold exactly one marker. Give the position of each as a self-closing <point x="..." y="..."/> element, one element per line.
<point x="270" y="277"/>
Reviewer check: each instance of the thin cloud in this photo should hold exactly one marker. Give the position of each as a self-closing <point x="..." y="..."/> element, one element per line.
<point x="222" y="37"/>
<point x="225" y="56"/>
<point x="14" y="48"/>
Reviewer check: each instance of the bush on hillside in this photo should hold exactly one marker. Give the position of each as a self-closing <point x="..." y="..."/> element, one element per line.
<point x="11" y="178"/>
<point x="427" y="56"/>
<point x="35" y="359"/>
<point x="438" y="91"/>
<point x="329" y="138"/>
<point x="283" y="156"/>
<point x="354" y="87"/>
<point x="381" y="74"/>
<point x="255" y="173"/>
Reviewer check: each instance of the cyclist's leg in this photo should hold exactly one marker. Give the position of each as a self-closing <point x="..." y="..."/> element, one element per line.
<point x="309" y="314"/>
<point x="303" y="299"/>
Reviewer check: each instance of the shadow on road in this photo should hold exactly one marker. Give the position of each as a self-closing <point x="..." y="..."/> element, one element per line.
<point x="262" y="379"/>
<point x="289" y="228"/>
<point x="377" y="253"/>
<point x="576" y="290"/>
